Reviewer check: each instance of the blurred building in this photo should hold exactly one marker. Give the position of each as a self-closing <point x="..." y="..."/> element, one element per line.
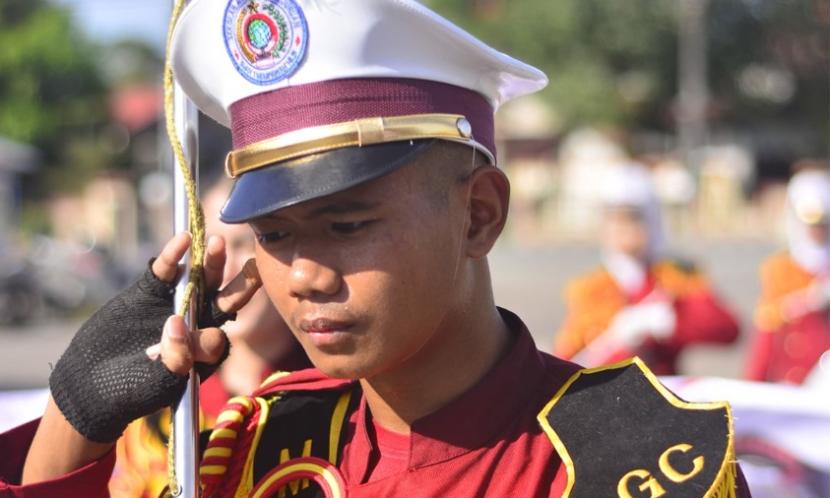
<point x="528" y="137"/>
<point x="16" y="159"/>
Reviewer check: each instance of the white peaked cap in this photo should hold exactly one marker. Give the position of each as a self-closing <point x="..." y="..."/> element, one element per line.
<point x="630" y="186"/>
<point x="808" y="196"/>
<point x="345" y="39"/>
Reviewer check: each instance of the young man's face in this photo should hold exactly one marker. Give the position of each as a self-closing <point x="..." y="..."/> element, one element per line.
<point x="625" y="231"/>
<point x="818" y="233"/>
<point x="364" y="278"/>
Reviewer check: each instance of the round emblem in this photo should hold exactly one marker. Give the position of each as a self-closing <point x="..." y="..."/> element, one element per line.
<point x="266" y="39"/>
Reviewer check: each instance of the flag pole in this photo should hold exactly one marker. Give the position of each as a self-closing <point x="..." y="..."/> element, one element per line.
<point x="183" y="458"/>
<point x="185" y="431"/>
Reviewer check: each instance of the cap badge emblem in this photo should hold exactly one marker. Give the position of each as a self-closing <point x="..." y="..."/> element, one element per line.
<point x="266" y="39"/>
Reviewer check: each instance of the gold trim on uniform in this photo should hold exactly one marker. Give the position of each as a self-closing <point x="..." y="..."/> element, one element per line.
<point x="357" y="133"/>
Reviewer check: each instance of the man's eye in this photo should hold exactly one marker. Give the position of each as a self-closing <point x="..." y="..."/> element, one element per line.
<point x="271" y="237"/>
<point x="347" y="228"/>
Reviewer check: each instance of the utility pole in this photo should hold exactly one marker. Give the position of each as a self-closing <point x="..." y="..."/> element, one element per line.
<point x="693" y="91"/>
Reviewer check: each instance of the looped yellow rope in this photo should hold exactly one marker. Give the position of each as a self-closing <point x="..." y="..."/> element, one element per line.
<point x="196" y="221"/>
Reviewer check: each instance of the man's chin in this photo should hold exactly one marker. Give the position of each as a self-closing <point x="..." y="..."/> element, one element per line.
<point x="341" y="368"/>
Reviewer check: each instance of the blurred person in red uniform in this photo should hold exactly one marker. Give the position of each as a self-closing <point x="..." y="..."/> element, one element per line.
<point x="365" y="161"/>
<point x="261" y="344"/>
<point x="639" y="302"/>
<point x="792" y="336"/>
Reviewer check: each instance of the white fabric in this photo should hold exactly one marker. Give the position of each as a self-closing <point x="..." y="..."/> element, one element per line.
<point x="812" y="187"/>
<point x="653" y="317"/>
<point x="792" y="417"/>
<point x="19" y="407"/>
<point x="628" y="272"/>
<point x="819" y="377"/>
<point x="633" y="324"/>
<point x="348" y="39"/>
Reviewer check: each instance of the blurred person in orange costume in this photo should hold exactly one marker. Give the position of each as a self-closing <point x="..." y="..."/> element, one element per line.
<point x="639" y="302"/>
<point x="792" y="333"/>
<point x="261" y="344"/>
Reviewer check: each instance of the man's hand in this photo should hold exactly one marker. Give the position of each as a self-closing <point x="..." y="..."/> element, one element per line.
<point x="801" y="303"/>
<point x="130" y="359"/>
<point x="178" y="350"/>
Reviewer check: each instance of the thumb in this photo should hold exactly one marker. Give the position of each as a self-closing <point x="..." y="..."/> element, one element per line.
<point x="176" y="351"/>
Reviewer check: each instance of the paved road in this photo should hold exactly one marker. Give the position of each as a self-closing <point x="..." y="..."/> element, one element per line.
<point x="527" y="281"/>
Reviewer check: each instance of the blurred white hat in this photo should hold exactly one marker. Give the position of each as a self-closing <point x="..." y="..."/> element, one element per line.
<point x="808" y="200"/>
<point x="630" y="186"/>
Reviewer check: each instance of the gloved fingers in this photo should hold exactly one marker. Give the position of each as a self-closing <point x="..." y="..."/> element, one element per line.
<point x="215" y="257"/>
<point x="166" y="265"/>
<point x="175" y="348"/>
<point x="240" y="290"/>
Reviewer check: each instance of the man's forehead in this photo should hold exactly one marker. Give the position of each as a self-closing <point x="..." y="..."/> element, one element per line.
<point x="361" y="198"/>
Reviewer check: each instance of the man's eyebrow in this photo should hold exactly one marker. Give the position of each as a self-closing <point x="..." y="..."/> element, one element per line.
<point x="343" y="207"/>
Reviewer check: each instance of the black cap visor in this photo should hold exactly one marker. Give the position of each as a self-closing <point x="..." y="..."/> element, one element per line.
<point x="287" y="183"/>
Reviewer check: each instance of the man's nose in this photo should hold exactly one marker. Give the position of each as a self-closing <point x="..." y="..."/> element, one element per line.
<point x="309" y="278"/>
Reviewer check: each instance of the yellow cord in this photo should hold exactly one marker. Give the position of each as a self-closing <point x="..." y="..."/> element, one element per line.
<point x="196" y="217"/>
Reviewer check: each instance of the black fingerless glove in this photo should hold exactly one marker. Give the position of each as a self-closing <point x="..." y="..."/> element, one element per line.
<point x="104" y="379"/>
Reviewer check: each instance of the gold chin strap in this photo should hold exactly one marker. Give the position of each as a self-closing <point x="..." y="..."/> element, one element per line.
<point x="369" y="131"/>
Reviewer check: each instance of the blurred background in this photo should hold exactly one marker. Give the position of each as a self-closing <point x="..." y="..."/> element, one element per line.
<point x="720" y="99"/>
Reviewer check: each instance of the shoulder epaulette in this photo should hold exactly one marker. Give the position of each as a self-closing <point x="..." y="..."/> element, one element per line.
<point x="619" y="432"/>
<point x="286" y="434"/>
<point x="597" y="280"/>
<point x="679" y="278"/>
<point x="684" y="265"/>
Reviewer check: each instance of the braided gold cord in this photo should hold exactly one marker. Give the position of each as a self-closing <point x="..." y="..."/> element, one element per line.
<point x="196" y="217"/>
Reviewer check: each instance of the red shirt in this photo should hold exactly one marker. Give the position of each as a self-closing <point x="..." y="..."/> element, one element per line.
<point x="391" y="454"/>
<point x="487" y="442"/>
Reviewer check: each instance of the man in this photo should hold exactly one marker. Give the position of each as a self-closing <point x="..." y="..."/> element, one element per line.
<point x="793" y="338"/>
<point x="640" y="302"/>
<point x="364" y="157"/>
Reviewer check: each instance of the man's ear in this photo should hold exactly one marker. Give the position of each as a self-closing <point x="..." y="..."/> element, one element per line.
<point x="487" y="210"/>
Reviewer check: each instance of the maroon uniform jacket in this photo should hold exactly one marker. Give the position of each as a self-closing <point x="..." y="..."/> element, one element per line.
<point x="786" y="350"/>
<point x="507" y="436"/>
<point x="594" y="299"/>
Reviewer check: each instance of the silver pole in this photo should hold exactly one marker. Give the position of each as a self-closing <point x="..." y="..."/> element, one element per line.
<point x="185" y="430"/>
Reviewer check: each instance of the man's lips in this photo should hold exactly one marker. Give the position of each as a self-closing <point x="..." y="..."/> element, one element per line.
<point x="324" y="326"/>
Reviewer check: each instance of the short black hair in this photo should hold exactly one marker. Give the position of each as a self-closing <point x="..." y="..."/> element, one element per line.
<point x="448" y="164"/>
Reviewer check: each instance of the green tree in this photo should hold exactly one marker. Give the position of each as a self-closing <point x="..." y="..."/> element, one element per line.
<point x="51" y="92"/>
<point x="609" y="62"/>
<point x="615" y="62"/>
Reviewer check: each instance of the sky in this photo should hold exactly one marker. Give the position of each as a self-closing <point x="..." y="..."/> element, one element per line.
<point x="111" y="20"/>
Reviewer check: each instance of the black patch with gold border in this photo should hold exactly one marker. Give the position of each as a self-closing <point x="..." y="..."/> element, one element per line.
<point x="620" y="433"/>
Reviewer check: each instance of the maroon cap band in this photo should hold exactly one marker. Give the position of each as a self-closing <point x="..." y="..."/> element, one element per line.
<point x="271" y="114"/>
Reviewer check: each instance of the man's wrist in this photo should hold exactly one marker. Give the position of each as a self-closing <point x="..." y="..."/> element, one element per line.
<point x="58" y="449"/>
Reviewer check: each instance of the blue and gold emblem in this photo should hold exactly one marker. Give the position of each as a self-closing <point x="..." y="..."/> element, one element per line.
<point x="266" y="39"/>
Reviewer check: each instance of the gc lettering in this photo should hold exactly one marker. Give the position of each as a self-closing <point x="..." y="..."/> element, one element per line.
<point x="644" y="481"/>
